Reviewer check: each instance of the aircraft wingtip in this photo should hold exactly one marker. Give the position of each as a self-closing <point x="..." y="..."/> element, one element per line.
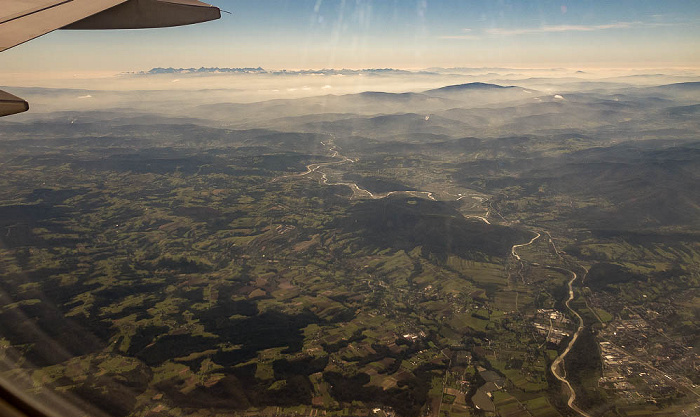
<point x="11" y="104"/>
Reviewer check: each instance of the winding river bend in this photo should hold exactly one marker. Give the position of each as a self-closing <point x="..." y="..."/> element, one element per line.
<point x="515" y="255"/>
<point x="557" y="367"/>
<point x="357" y="191"/>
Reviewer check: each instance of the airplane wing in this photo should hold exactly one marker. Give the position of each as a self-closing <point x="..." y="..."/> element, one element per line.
<point x="24" y="20"/>
<point x="10" y="104"/>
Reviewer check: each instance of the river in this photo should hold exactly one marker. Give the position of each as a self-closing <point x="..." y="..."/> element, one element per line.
<point x="557" y="367"/>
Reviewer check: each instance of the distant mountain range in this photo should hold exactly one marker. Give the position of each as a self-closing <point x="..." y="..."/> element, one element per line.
<point x="259" y="70"/>
<point x="481" y="92"/>
<point x="681" y="86"/>
<point x="468" y="86"/>
<point x="159" y="70"/>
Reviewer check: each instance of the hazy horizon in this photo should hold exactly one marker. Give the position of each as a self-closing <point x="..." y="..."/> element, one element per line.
<point x="371" y="34"/>
<point x="522" y="206"/>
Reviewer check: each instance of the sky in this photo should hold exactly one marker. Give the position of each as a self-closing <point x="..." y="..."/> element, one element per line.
<point x="411" y="34"/>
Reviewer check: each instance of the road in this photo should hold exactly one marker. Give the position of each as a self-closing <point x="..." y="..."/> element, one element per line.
<point x="652" y="369"/>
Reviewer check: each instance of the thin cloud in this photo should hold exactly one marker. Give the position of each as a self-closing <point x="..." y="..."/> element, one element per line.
<point x="469" y="35"/>
<point x="461" y="37"/>
<point x="566" y="28"/>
